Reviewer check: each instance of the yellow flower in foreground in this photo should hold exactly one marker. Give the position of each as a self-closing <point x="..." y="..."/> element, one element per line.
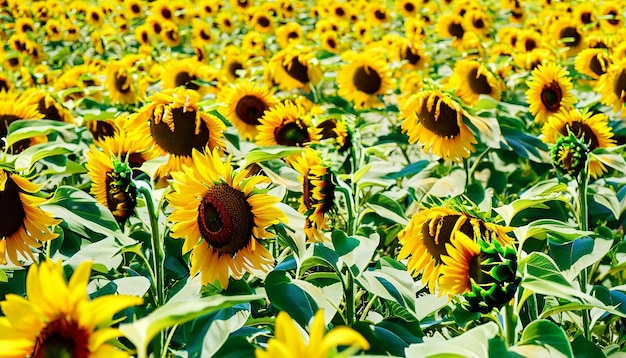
<point x="57" y="319"/>
<point x="288" y="343"/>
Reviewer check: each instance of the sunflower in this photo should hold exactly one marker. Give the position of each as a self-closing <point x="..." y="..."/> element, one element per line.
<point x="120" y="84"/>
<point x="5" y="83"/>
<point x="336" y="129"/>
<point x="612" y="86"/>
<point x="225" y="21"/>
<point x="170" y="34"/>
<point x="235" y="62"/>
<point x="289" y="343"/>
<point x="142" y="34"/>
<point x="47" y="105"/>
<point x="485" y="273"/>
<point x="471" y="79"/>
<point x="247" y="102"/>
<point x="24" y="224"/>
<point x="111" y="184"/>
<point x="295" y="67"/>
<point x="364" y="78"/>
<point x="376" y="14"/>
<point x="175" y="126"/>
<point x="201" y="33"/>
<point x="53" y="30"/>
<point x="593" y="62"/>
<point x="408" y="8"/>
<point x="435" y="120"/>
<point x="593" y="129"/>
<point x="221" y="215"/>
<point x="527" y="40"/>
<point x="451" y="26"/>
<point x="318" y="191"/>
<point x="611" y="15"/>
<point x="289" y="33"/>
<point x="568" y="33"/>
<point x="57" y="319"/>
<point x="584" y="13"/>
<point x="549" y="91"/>
<point x="262" y="22"/>
<point x="13" y="108"/>
<point x="121" y="144"/>
<point x="186" y="72"/>
<point x="287" y="124"/>
<point x="330" y="42"/>
<point x="425" y="239"/>
<point x="414" y="56"/>
<point x="24" y="25"/>
<point x="478" y="21"/>
<point x="133" y="8"/>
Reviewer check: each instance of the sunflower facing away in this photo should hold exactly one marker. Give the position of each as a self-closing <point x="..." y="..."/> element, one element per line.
<point x="222" y="215"/>
<point x="57" y="319"/>
<point x="247" y="102"/>
<point x="318" y="192"/>
<point x="111" y="184"/>
<point x="175" y="126"/>
<point x="24" y="224"/>
<point x="424" y="240"/>
<point x="287" y="124"/>
<point x="435" y="121"/>
<point x="364" y="78"/>
<point x="612" y="86"/>
<point x="549" y="92"/>
<point x="592" y="129"/>
<point x="471" y="79"/>
<point x="288" y="343"/>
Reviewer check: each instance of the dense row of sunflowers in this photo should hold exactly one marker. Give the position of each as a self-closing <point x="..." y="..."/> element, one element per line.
<point x="312" y="179"/>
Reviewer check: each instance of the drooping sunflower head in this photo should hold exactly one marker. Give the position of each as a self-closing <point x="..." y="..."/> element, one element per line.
<point x="612" y="86"/>
<point x="592" y="129"/>
<point x="120" y="84"/>
<point x="549" y="92"/>
<point x="24" y="224"/>
<point x="427" y="237"/>
<point x="365" y="77"/>
<point x="485" y="273"/>
<point x="286" y="123"/>
<point x="246" y="103"/>
<point x="471" y="79"/>
<point x="48" y="105"/>
<point x="62" y="321"/>
<point x="593" y="62"/>
<point x="176" y="126"/>
<point x="222" y="215"/>
<point x="435" y="121"/>
<point x="295" y="67"/>
<point x="13" y="108"/>
<point x="336" y="129"/>
<point x="318" y="191"/>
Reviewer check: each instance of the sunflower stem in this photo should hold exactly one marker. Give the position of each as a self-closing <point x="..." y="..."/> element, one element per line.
<point x="583" y="180"/>
<point x="157" y="260"/>
<point x="349" y="289"/>
<point x="472" y="169"/>
<point x="510" y="323"/>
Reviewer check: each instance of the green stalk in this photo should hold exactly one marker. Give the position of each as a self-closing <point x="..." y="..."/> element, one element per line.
<point x="510" y="324"/>
<point x="584" y="225"/>
<point x="157" y="261"/>
<point x="349" y="289"/>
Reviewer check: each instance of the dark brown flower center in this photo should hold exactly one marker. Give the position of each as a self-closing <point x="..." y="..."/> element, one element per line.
<point x="225" y="219"/>
<point x="570" y="36"/>
<point x="620" y="85"/>
<point x="530" y="44"/>
<point x="413" y="57"/>
<point x="135" y="8"/>
<point x="456" y="29"/>
<point x="367" y="80"/>
<point x="62" y="339"/>
<point x="380" y="15"/>
<point x="250" y="108"/>
<point x="478" y="83"/>
<point x="121" y="195"/>
<point x="409" y="7"/>
<point x="298" y="70"/>
<point x="234" y="67"/>
<point x="441" y="235"/>
<point x="4" y="84"/>
<point x="166" y="13"/>
<point x="184" y="78"/>
<point x="614" y="20"/>
<point x="51" y="112"/>
<point x="122" y="82"/>
<point x="183" y="139"/>
<point x="263" y="21"/>
<point x="11" y="208"/>
<point x="479" y="23"/>
<point x="583" y="132"/>
<point x="596" y="66"/>
<point x="292" y="134"/>
<point x="551" y="96"/>
<point x="585" y="17"/>
<point x="292" y="35"/>
<point x="101" y="129"/>
<point x="445" y="125"/>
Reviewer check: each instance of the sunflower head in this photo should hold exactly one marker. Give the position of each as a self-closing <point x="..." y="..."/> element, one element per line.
<point x="287" y="124"/>
<point x="246" y="103"/>
<point x="549" y="91"/>
<point x="569" y="154"/>
<point x="485" y="273"/>
<point x="364" y="78"/>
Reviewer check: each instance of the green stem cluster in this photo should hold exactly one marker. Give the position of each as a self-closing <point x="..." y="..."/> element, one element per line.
<point x="583" y="180"/>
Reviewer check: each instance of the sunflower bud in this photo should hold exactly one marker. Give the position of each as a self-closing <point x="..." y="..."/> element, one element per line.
<point x="493" y="277"/>
<point x="569" y="154"/>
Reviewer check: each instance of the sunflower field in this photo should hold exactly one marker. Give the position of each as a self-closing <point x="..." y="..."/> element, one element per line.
<point x="288" y="178"/>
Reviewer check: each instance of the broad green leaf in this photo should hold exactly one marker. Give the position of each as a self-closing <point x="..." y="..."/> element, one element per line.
<point x="287" y="296"/>
<point x="525" y="145"/>
<point x="574" y="256"/>
<point x="24" y="129"/>
<point x="540" y="229"/>
<point x="361" y="172"/>
<point x="262" y="154"/>
<point x="103" y="252"/>
<point x="3" y="276"/>
<point x="355" y="251"/>
<point x="409" y="170"/>
<point x="176" y="311"/>
<point x="610" y="157"/>
<point x="582" y="348"/>
<point x="132" y="285"/>
<point x="546" y="333"/>
<point x="327" y="297"/>
<point x="383" y="340"/>
<point x="210" y="333"/>
<point x="387" y="208"/>
<point x="535" y="196"/>
<point x="31" y="155"/>
<point x="471" y="344"/>
<point x="392" y="284"/>
<point x="606" y="197"/>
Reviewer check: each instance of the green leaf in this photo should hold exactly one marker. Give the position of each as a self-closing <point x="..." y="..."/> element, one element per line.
<point x="574" y="256"/>
<point x="355" y="251"/>
<point x="534" y="197"/>
<point x="545" y="333"/>
<point x="582" y="348"/>
<point x="206" y="335"/>
<point x="263" y="154"/>
<point x="24" y="129"/>
<point x="542" y="228"/>
<point x="473" y="343"/>
<point x="178" y="310"/>
<point x="409" y="170"/>
<point x="287" y="296"/>
<point x="606" y="197"/>
<point x="387" y="208"/>
<point x="525" y="145"/>
<point x="391" y="283"/>
<point x="31" y="155"/>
